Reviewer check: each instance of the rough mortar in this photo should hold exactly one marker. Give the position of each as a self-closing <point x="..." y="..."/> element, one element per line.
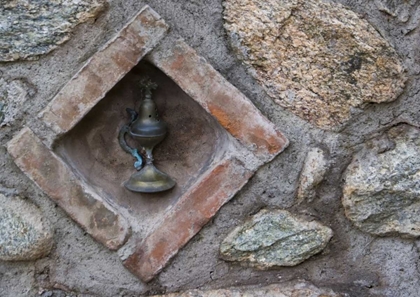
<point x="354" y="263"/>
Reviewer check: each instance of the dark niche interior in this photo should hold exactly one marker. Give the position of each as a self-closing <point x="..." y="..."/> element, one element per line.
<point x="193" y="141"/>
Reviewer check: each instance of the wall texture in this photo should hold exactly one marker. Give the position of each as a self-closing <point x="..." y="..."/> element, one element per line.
<point x="358" y="181"/>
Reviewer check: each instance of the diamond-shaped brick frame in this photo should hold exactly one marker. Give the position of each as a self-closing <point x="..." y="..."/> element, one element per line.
<point x="255" y="141"/>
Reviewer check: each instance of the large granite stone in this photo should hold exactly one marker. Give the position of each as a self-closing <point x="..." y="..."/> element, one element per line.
<point x="25" y="234"/>
<point x="275" y="238"/>
<point x="319" y="60"/>
<point x="381" y="194"/>
<point x="293" y="289"/>
<point x="32" y="28"/>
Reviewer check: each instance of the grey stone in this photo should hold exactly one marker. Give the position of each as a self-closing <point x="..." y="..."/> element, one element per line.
<point x="291" y="289"/>
<point x="313" y="172"/>
<point x="1" y="112"/>
<point x="82" y="266"/>
<point x="381" y="194"/>
<point x="25" y="234"/>
<point x="13" y="96"/>
<point x="401" y="9"/>
<point x="275" y="238"/>
<point x="32" y="28"/>
<point x="318" y="60"/>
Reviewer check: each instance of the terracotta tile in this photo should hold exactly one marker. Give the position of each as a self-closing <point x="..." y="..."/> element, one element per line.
<point x="201" y="201"/>
<point x="61" y="185"/>
<point x="187" y="217"/>
<point x="103" y="70"/>
<point x="220" y="98"/>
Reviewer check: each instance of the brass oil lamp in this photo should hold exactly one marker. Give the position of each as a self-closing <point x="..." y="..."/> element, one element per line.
<point x="148" y="130"/>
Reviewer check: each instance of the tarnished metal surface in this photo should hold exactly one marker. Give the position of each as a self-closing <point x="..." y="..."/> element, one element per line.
<point x="148" y="130"/>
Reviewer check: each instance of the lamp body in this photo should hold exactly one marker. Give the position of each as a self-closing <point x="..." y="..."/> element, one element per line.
<point x="148" y="131"/>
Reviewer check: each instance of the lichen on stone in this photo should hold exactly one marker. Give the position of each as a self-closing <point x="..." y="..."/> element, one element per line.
<point x="32" y="28"/>
<point x="274" y="238"/>
<point x="381" y="194"/>
<point x="319" y="60"/>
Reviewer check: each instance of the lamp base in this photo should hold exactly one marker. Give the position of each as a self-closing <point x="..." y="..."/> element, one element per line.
<point x="149" y="180"/>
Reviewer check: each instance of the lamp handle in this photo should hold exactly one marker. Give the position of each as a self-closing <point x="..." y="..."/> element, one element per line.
<point x="123" y="143"/>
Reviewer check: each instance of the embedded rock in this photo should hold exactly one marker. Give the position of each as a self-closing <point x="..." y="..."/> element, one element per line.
<point x="295" y="289"/>
<point x="401" y="9"/>
<point x="313" y="172"/>
<point x="275" y="238"/>
<point x="13" y="96"/>
<point x="381" y="194"/>
<point x="318" y="60"/>
<point x="32" y="28"/>
<point x="24" y="233"/>
<point x="1" y="112"/>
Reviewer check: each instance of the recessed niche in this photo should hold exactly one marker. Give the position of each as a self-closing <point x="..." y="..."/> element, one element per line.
<point x="217" y="140"/>
<point x="194" y="140"/>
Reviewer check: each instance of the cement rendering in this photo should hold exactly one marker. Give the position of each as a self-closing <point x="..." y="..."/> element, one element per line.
<point x="354" y="263"/>
<point x="13" y="97"/>
<point x="301" y="289"/>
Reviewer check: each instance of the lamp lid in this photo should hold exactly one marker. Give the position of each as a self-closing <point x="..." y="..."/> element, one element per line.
<point x="148" y="123"/>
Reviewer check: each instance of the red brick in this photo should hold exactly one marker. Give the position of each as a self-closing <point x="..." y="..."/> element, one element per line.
<point x="61" y="185"/>
<point x="189" y="215"/>
<point x="103" y="70"/>
<point x="203" y="199"/>
<point x="221" y="99"/>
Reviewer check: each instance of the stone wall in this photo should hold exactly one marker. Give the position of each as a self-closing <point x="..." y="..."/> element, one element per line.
<point x="336" y="213"/>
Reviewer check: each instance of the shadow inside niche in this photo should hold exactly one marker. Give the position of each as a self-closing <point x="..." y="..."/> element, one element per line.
<point x="193" y="141"/>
